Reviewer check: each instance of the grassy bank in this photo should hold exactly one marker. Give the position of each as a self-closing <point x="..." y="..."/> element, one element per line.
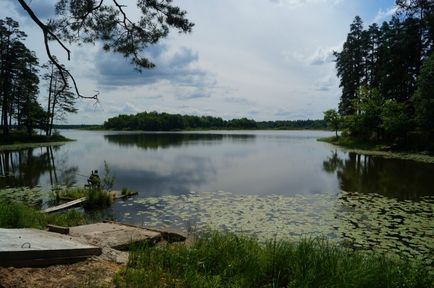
<point x="16" y="141"/>
<point x="227" y="260"/>
<point x="18" y="215"/>
<point x="19" y="138"/>
<point x="377" y="149"/>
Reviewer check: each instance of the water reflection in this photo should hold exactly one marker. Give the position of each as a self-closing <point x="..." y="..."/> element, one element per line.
<point x="167" y="140"/>
<point x="27" y="168"/>
<point x="401" y="179"/>
<point x="189" y="171"/>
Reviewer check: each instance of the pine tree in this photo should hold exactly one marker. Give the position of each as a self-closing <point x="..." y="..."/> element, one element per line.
<point x="350" y="64"/>
<point x="423" y="99"/>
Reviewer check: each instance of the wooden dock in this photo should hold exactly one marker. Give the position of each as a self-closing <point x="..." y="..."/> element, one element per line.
<point x="32" y="247"/>
<point x="64" y="206"/>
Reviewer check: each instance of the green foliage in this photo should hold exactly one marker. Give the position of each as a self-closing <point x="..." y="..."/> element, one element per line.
<point x="153" y="121"/>
<point x="97" y="198"/>
<point x="107" y="23"/>
<point x="127" y="192"/>
<point x="366" y="119"/>
<point x="17" y="215"/>
<point x="333" y="120"/>
<point x="108" y="179"/>
<point x="19" y="81"/>
<point x="18" y="137"/>
<point x="395" y="121"/>
<point x="67" y="194"/>
<point x="228" y="260"/>
<point x="423" y="99"/>
<point x="293" y="125"/>
<point x="378" y="68"/>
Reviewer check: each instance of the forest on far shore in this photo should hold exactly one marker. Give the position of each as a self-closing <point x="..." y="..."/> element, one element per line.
<point x="154" y="121"/>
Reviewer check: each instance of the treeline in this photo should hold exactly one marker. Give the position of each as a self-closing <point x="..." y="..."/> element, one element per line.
<point x="293" y="125"/>
<point x="154" y="121"/>
<point x="387" y="74"/>
<point x="20" y="76"/>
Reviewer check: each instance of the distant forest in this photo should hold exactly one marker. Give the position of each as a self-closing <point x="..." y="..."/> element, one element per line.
<point x="154" y="121"/>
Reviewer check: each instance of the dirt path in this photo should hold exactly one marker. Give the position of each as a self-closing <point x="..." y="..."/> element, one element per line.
<point x="94" y="272"/>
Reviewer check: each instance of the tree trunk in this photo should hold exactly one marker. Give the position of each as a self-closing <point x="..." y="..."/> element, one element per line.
<point x="50" y="91"/>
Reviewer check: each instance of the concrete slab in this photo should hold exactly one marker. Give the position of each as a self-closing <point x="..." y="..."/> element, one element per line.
<point x="113" y="235"/>
<point x="32" y="247"/>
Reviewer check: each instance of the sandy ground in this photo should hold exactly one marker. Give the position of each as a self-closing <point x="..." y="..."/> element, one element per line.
<point x="94" y="272"/>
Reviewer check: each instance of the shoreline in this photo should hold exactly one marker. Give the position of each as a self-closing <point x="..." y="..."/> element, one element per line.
<point x="21" y="146"/>
<point x="413" y="156"/>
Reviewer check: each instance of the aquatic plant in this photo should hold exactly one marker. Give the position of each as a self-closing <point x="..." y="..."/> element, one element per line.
<point x="108" y="179"/>
<point x="355" y="220"/>
<point x="97" y="198"/>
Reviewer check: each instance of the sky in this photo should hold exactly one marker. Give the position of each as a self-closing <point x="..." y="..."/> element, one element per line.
<point x="260" y="59"/>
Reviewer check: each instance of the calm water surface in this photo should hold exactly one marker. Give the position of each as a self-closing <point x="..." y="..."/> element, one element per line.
<point x="269" y="182"/>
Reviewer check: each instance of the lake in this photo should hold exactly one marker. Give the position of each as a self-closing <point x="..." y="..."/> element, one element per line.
<point x="271" y="184"/>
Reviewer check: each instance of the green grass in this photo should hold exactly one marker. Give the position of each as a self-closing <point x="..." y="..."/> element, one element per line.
<point x="227" y="260"/>
<point x="18" y="215"/>
<point x="97" y="198"/>
<point x="58" y="194"/>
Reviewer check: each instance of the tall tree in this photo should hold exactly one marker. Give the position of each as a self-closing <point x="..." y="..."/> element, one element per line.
<point x="28" y="112"/>
<point x="423" y="10"/>
<point x="424" y="97"/>
<point x="350" y="66"/>
<point x="61" y="100"/>
<point x="9" y="36"/>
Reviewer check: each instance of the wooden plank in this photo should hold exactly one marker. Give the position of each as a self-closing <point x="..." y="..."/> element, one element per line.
<point x="118" y="194"/>
<point x="65" y="205"/>
<point x="58" y="229"/>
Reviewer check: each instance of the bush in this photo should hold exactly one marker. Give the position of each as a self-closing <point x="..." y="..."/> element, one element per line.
<point x="97" y="198"/>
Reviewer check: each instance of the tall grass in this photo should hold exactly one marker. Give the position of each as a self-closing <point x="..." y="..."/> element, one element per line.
<point x="97" y="198"/>
<point x="228" y="260"/>
<point x="17" y="215"/>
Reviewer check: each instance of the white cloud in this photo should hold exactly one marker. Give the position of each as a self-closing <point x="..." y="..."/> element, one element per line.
<point x="298" y="3"/>
<point x="384" y="15"/>
<point x="245" y="58"/>
<point x="320" y="56"/>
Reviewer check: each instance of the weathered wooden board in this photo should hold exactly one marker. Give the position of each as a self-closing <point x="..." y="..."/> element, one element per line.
<point x="65" y="205"/>
<point x="113" y="235"/>
<point x="32" y="247"/>
<point x="118" y="194"/>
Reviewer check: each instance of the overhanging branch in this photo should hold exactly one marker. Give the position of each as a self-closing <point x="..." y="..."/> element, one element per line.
<point x="47" y="32"/>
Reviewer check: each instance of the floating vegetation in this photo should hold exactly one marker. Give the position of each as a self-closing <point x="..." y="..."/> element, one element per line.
<point x="32" y="196"/>
<point x="358" y="221"/>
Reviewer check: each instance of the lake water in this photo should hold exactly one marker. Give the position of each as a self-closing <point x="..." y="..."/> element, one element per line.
<point x="272" y="184"/>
